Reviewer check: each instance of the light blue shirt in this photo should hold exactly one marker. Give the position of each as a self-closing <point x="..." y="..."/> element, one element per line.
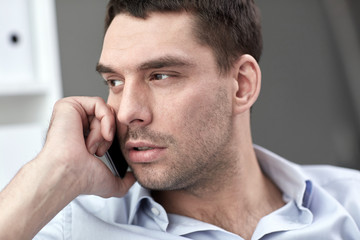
<point x="322" y="202"/>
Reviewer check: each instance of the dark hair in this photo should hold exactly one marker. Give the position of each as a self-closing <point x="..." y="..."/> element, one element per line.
<point x="229" y="27"/>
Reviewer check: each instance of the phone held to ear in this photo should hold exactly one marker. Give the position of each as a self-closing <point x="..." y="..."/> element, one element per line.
<point x="117" y="162"/>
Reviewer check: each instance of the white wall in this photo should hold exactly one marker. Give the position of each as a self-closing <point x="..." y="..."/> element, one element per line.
<point x="30" y="80"/>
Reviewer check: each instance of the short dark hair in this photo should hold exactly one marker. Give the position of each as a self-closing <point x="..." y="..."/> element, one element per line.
<point x="229" y="27"/>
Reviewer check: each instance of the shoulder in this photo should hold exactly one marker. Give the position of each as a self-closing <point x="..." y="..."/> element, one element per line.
<point x="331" y="176"/>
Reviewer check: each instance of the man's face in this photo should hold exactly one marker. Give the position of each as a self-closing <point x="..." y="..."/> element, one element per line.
<point x="174" y="110"/>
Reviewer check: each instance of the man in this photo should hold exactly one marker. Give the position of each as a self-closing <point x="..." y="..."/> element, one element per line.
<point x="182" y="78"/>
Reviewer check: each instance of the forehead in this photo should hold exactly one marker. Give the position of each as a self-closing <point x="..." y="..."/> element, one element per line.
<point x="159" y="34"/>
<point x="155" y="21"/>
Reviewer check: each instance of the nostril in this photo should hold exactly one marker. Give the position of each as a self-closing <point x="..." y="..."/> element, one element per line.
<point x="136" y="120"/>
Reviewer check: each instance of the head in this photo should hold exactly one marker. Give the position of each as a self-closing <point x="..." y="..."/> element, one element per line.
<point x="182" y="79"/>
<point x="229" y="28"/>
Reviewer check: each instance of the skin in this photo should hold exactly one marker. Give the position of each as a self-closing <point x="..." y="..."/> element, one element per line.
<point x="186" y="114"/>
<point x="167" y="98"/>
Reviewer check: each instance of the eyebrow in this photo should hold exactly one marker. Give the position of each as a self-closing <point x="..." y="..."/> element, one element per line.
<point x="100" y="68"/>
<point x="162" y="62"/>
<point x="167" y="61"/>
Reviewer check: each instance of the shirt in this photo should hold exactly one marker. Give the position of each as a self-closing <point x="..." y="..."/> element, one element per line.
<point x="322" y="202"/>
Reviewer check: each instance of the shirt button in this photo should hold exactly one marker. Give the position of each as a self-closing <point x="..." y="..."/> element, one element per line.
<point x="155" y="211"/>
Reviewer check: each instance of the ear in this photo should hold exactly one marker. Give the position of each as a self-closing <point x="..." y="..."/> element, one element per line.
<point x="247" y="83"/>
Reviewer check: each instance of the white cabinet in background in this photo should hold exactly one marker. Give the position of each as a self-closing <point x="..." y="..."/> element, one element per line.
<point x="30" y="80"/>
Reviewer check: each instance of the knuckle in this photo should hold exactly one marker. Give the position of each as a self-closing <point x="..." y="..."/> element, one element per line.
<point x="63" y="101"/>
<point x="59" y="102"/>
<point x="99" y="100"/>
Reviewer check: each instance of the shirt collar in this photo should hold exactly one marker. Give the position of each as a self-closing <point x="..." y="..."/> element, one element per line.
<point x="134" y="198"/>
<point x="286" y="175"/>
<point x="297" y="192"/>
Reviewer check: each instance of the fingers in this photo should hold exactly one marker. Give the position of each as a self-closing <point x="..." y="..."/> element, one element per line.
<point x="97" y="108"/>
<point x="71" y="119"/>
<point x="101" y="120"/>
<point x="95" y="142"/>
<point x="74" y="114"/>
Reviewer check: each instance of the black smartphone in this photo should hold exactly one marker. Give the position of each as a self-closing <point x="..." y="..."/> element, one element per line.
<point x="116" y="159"/>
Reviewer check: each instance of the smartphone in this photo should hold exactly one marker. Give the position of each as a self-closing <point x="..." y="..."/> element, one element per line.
<point x="116" y="159"/>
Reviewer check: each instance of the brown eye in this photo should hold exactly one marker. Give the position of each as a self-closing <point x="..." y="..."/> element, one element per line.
<point x="114" y="83"/>
<point x="160" y="76"/>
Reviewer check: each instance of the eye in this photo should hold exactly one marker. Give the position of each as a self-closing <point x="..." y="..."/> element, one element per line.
<point x="159" y="76"/>
<point x="114" y="83"/>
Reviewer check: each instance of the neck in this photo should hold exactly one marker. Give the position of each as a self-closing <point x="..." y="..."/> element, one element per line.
<point x="248" y="196"/>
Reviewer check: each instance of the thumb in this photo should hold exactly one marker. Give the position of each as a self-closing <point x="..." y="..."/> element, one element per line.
<point x="123" y="185"/>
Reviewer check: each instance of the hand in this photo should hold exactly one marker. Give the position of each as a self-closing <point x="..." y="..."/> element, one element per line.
<point x="65" y="168"/>
<point x="67" y="148"/>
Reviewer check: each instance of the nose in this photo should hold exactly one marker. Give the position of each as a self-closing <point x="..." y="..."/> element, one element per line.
<point x="134" y="109"/>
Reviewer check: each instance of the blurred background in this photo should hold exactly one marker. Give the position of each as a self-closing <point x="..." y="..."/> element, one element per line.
<point x="308" y="110"/>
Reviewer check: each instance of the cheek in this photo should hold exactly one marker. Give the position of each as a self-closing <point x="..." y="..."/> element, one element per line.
<point x="194" y="114"/>
<point x="209" y="116"/>
<point x="178" y="110"/>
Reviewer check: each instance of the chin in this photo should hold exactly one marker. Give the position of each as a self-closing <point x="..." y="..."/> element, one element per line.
<point x="157" y="183"/>
<point x="154" y="184"/>
<point x="160" y="179"/>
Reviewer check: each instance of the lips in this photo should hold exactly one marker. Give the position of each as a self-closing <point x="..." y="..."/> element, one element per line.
<point x="143" y="152"/>
<point x="143" y="148"/>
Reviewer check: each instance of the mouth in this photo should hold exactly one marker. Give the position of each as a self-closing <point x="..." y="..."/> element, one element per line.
<point x="144" y="152"/>
<point x="143" y="148"/>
